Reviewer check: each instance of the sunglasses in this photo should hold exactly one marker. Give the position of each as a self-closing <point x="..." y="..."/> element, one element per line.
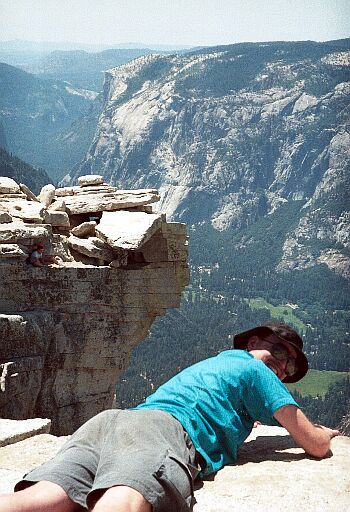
<point x="281" y="352"/>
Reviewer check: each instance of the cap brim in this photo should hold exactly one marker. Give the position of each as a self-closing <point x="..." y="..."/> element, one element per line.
<point x="240" y="341"/>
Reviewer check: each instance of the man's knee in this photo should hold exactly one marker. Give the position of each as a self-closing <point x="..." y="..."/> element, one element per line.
<point x="121" y="498"/>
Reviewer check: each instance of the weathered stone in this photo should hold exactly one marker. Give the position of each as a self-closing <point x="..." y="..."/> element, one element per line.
<point x="12" y="251"/>
<point x="18" y="195"/>
<point x="5" y="218"/>
<point x="12" y="431"/>
<point x="57" y="206"/>
<point x="21" y="208"/>
<point x="92" y="247"/>
<point x="250" y="484"/>
<point x="20" y="232"/>
<point x="8" y="186"/>
<point x="56" y="218"/>
<point x="29" y="194"/>
<point x="65" y="191"/>
<point x="90" y="179"/>
<point x="60" y="248"/>
<point x="92" y="203"/>
<point x="98" y="189"/>
<point x="84" y="229"/>
<point x="127" y="230"/>
<point x="47" y="195"/>
<point x="61" y="358"/>
<point x="243" y="486"/>
<point x="19" y="458"/>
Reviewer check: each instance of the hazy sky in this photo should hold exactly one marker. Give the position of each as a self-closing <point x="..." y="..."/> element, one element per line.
<point x="173" y="22"/>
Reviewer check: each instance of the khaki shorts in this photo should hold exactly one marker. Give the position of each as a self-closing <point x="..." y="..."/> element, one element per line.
<point x="145" y="449"/>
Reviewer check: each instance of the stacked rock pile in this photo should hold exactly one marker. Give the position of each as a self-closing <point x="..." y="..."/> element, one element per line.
<point x="97" y="224"/>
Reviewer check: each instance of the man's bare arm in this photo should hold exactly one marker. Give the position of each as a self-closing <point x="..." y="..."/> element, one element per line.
<point x="314" y="439"/>
<point x="36" y="262"/>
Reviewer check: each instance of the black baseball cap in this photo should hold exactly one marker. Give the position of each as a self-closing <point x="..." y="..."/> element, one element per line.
<point x="286" y="334"/>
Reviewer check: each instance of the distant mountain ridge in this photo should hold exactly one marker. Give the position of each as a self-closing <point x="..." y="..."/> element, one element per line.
<point x="38" y="118"/>
<point x="82" y="69"/>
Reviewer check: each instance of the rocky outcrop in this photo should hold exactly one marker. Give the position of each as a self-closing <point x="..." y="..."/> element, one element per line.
<point x="68" y="328"/>
<point x="271" y="473"/>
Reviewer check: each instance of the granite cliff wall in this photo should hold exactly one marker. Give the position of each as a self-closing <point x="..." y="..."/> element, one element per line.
<point x="67" y="329"/>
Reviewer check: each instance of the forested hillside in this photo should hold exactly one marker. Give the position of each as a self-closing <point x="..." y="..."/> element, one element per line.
<point x="21" y="172"/>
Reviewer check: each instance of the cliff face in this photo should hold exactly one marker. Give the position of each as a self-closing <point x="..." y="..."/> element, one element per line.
<point x="67" y="329"/>
<point x="229" y="134"/>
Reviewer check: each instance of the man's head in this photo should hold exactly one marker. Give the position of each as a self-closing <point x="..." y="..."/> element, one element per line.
<point x="40" y="247"/>
<point x="278" y="346"/>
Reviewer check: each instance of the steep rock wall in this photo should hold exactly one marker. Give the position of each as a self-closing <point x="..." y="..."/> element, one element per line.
<point x="67" y="330"/>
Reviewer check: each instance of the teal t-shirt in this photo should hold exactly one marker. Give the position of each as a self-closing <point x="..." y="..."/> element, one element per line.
<point x="217" y="401"/>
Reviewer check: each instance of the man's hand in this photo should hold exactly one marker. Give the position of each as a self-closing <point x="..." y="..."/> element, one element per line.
<point x="314" y="439"/>
<point x="330" y="431"/>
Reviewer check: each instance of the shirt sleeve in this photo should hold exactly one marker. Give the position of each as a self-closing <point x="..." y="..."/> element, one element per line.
<point x="264" y="394"/>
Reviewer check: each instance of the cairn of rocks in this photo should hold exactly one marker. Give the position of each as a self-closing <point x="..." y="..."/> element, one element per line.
<point x="67" y="330"/>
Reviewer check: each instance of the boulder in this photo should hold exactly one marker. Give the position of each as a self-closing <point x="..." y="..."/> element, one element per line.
<point x="57" y="206"/>
<point x="56" y="218"/>
<point x="90" y="179"/>
<point x="128" y="230"/>
<point x="47" y="195"/>
<point x="84" y="229"/>
<point x="8" y="186"/>
<point x="92" y="247"/>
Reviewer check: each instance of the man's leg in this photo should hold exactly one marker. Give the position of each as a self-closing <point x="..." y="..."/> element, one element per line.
<point x="122" y="499"/>
<point x="41" y="497"/>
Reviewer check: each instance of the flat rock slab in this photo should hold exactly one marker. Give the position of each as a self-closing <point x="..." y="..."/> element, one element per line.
<point x="128" y="230"/>
<point x="21" y="232"/>
<point x="111" y="201"/>
<point x="272" y="474"/>
<point x="90" y="179"/>
<point x="19" y="458"/>
<point x="8" y="186"/>
<point x="93" y="247"/>
<point x="21" y="208"/>
<point x="12" y="251"/>
<point x="12" y="431"/>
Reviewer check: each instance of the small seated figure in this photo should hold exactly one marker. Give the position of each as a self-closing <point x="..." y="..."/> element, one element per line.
<point x="39" y="259"/>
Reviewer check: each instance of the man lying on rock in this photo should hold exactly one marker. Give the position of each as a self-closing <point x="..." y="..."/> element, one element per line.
<point x="146" y="459"/>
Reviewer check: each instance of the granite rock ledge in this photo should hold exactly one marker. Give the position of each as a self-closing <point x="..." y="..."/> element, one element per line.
<point x="67" y="331"/>
<point x="271" y="474"/>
